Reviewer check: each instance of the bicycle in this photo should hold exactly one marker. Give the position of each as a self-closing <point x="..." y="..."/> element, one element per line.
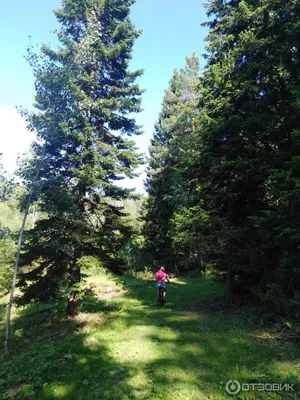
<point x="161" y="298"/>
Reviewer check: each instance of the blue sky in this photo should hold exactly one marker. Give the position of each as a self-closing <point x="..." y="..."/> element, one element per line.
<point x="171" y="31"/>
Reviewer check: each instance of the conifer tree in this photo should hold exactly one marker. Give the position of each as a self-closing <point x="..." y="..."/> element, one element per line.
<point x="174" y="126"/>
<point x="85" y="97"/>
<point x="247" y="135"/>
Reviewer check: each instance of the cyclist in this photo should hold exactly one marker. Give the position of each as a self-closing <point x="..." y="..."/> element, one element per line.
<point x="161" y="277"/>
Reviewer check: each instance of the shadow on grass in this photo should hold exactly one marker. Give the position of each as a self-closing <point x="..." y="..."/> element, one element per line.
<point x="75" y="367"/>
<point x="61" y="360"/>
<point x="126" y="349"/>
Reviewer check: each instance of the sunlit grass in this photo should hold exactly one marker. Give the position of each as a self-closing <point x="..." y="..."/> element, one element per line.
<point x="124" y="348"/>
<point x="59" y="391"/>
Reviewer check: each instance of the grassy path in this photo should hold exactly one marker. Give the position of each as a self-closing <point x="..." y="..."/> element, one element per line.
<point x="124" y="348"/>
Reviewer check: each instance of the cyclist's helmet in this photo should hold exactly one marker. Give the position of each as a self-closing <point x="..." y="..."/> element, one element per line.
<point x="163" y="268"/>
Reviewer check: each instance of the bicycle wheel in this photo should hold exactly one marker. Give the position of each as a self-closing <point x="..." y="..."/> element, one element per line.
<point x="157" y="300"/>
<point x="160" y="300"/>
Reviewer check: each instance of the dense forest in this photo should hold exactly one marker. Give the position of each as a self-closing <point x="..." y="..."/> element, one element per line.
<point x="223" y="186"/>
<point x="223" y="177"/>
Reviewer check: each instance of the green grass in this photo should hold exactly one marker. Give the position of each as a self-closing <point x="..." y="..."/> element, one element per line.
<point x="124" y="348"/>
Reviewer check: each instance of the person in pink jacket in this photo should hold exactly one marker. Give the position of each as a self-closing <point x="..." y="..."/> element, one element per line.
<point x="161" y="277"/>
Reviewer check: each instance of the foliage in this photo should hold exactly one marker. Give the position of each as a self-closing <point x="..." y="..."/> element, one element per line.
<point x="7" y="184"/>
<point x="10" y="223"/>
<point x="246" y="151"/>
<point x="85" y="97"/>
<point x="7" y="258"/>
<point x="164" y="185"/>
<point x="226" y="190"/>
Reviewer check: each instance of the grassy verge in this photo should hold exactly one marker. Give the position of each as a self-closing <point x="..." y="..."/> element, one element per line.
<point x="121" y="347"/>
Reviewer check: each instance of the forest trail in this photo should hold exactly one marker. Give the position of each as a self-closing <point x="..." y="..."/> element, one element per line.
<point x="123" y="348"/>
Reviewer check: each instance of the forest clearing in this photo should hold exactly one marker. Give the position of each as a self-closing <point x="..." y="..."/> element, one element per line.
<point x="123" y="348"/>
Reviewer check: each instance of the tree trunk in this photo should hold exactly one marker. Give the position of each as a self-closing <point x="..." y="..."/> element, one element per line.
<point x="229" y="282"/>
<point x="229" y="274"/>
<point x="34" y="215"/>
<point x="72" y="307"/>
<point x="13" y="285"/>
<point x="202" y="265"/>
<point x="293" y="205"/>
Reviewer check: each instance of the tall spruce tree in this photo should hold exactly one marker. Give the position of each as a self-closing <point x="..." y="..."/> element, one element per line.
<point x="85" y="96"/>
<point x="175" y="124"/>
<point x="246" y="141"/>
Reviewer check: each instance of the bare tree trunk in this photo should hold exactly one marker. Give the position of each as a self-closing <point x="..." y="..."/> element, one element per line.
<point x="13" y="285"/>
<point x="34" y="215"/>
<point x="72" y="307"/>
